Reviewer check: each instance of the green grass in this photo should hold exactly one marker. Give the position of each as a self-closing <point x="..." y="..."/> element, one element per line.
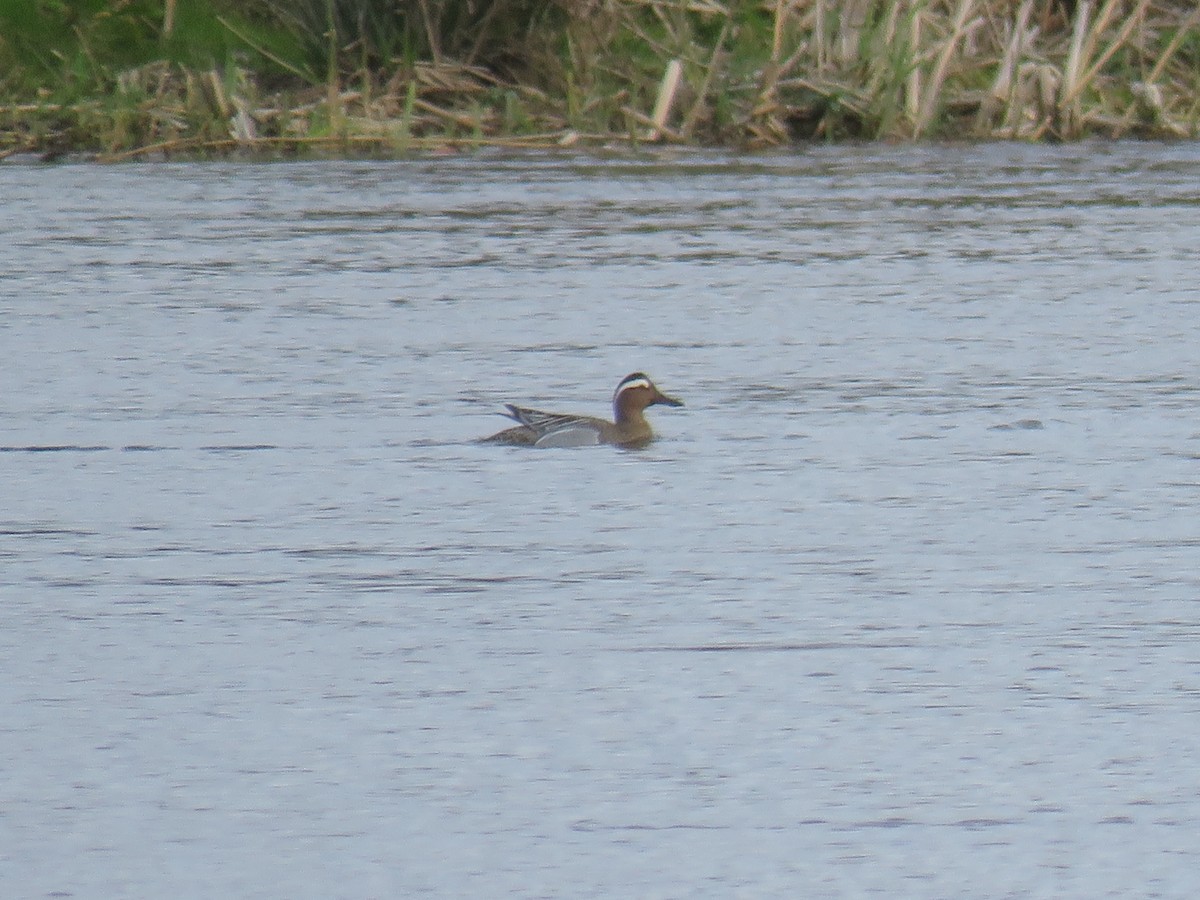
<point x="81" y="47"/>
<point x="101" y="75"/>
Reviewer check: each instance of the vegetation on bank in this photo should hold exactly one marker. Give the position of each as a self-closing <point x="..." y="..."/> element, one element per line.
<point x="133" y="77"/>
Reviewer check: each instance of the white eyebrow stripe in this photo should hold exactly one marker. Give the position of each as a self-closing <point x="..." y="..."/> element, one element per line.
<point x="635" y="383"/>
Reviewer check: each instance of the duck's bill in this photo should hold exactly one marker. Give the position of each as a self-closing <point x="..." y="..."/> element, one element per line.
<point x="668" y="401"/>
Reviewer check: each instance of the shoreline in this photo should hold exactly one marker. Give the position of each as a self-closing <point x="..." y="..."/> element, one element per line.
<point x="614" y="153"/>
<point x="621" y="74"/>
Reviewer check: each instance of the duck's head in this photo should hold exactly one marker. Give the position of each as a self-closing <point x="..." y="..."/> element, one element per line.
<point x="635" y="393"/>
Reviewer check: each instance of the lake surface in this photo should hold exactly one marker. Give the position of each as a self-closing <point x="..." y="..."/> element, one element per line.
<point x="904" y="602"/>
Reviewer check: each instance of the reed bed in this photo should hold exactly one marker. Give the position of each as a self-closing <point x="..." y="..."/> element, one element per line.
<point x="369" y="76"/>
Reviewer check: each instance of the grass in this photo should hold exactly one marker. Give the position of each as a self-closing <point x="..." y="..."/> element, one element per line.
<point x="123" y="78"/>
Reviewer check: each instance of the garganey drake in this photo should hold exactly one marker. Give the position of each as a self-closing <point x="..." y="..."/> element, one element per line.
<point x="630" y="428"/>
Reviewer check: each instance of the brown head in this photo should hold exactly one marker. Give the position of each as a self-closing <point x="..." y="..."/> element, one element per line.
<point x="634" y="394"/>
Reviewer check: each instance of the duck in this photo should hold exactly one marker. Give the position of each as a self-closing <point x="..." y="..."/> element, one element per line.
<point x="629" y="427"/>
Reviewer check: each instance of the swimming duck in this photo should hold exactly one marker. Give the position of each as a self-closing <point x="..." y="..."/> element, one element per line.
<point x="630" y="428"/>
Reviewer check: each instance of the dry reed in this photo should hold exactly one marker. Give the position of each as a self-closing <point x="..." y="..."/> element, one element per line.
<point x="758" y="73"/>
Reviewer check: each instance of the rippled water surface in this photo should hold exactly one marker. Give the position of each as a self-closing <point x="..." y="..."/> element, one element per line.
<point x="904" y="601"/>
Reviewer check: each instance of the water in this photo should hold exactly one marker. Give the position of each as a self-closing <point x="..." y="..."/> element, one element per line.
<point x="904" y="602"/>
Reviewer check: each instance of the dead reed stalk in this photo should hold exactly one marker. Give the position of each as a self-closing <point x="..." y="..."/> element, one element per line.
<point x="930" y="99"/>
<point x="713" y="71"/>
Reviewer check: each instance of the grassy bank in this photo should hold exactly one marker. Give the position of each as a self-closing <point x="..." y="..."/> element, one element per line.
<point x="123" y="78"/>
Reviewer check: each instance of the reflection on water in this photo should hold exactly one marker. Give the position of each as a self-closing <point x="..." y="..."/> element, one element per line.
<point x="902" y="601"/>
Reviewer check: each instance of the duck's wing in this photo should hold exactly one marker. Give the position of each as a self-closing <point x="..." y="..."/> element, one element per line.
<point x="557" y="429"/>
<point x="571" y="436"/>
